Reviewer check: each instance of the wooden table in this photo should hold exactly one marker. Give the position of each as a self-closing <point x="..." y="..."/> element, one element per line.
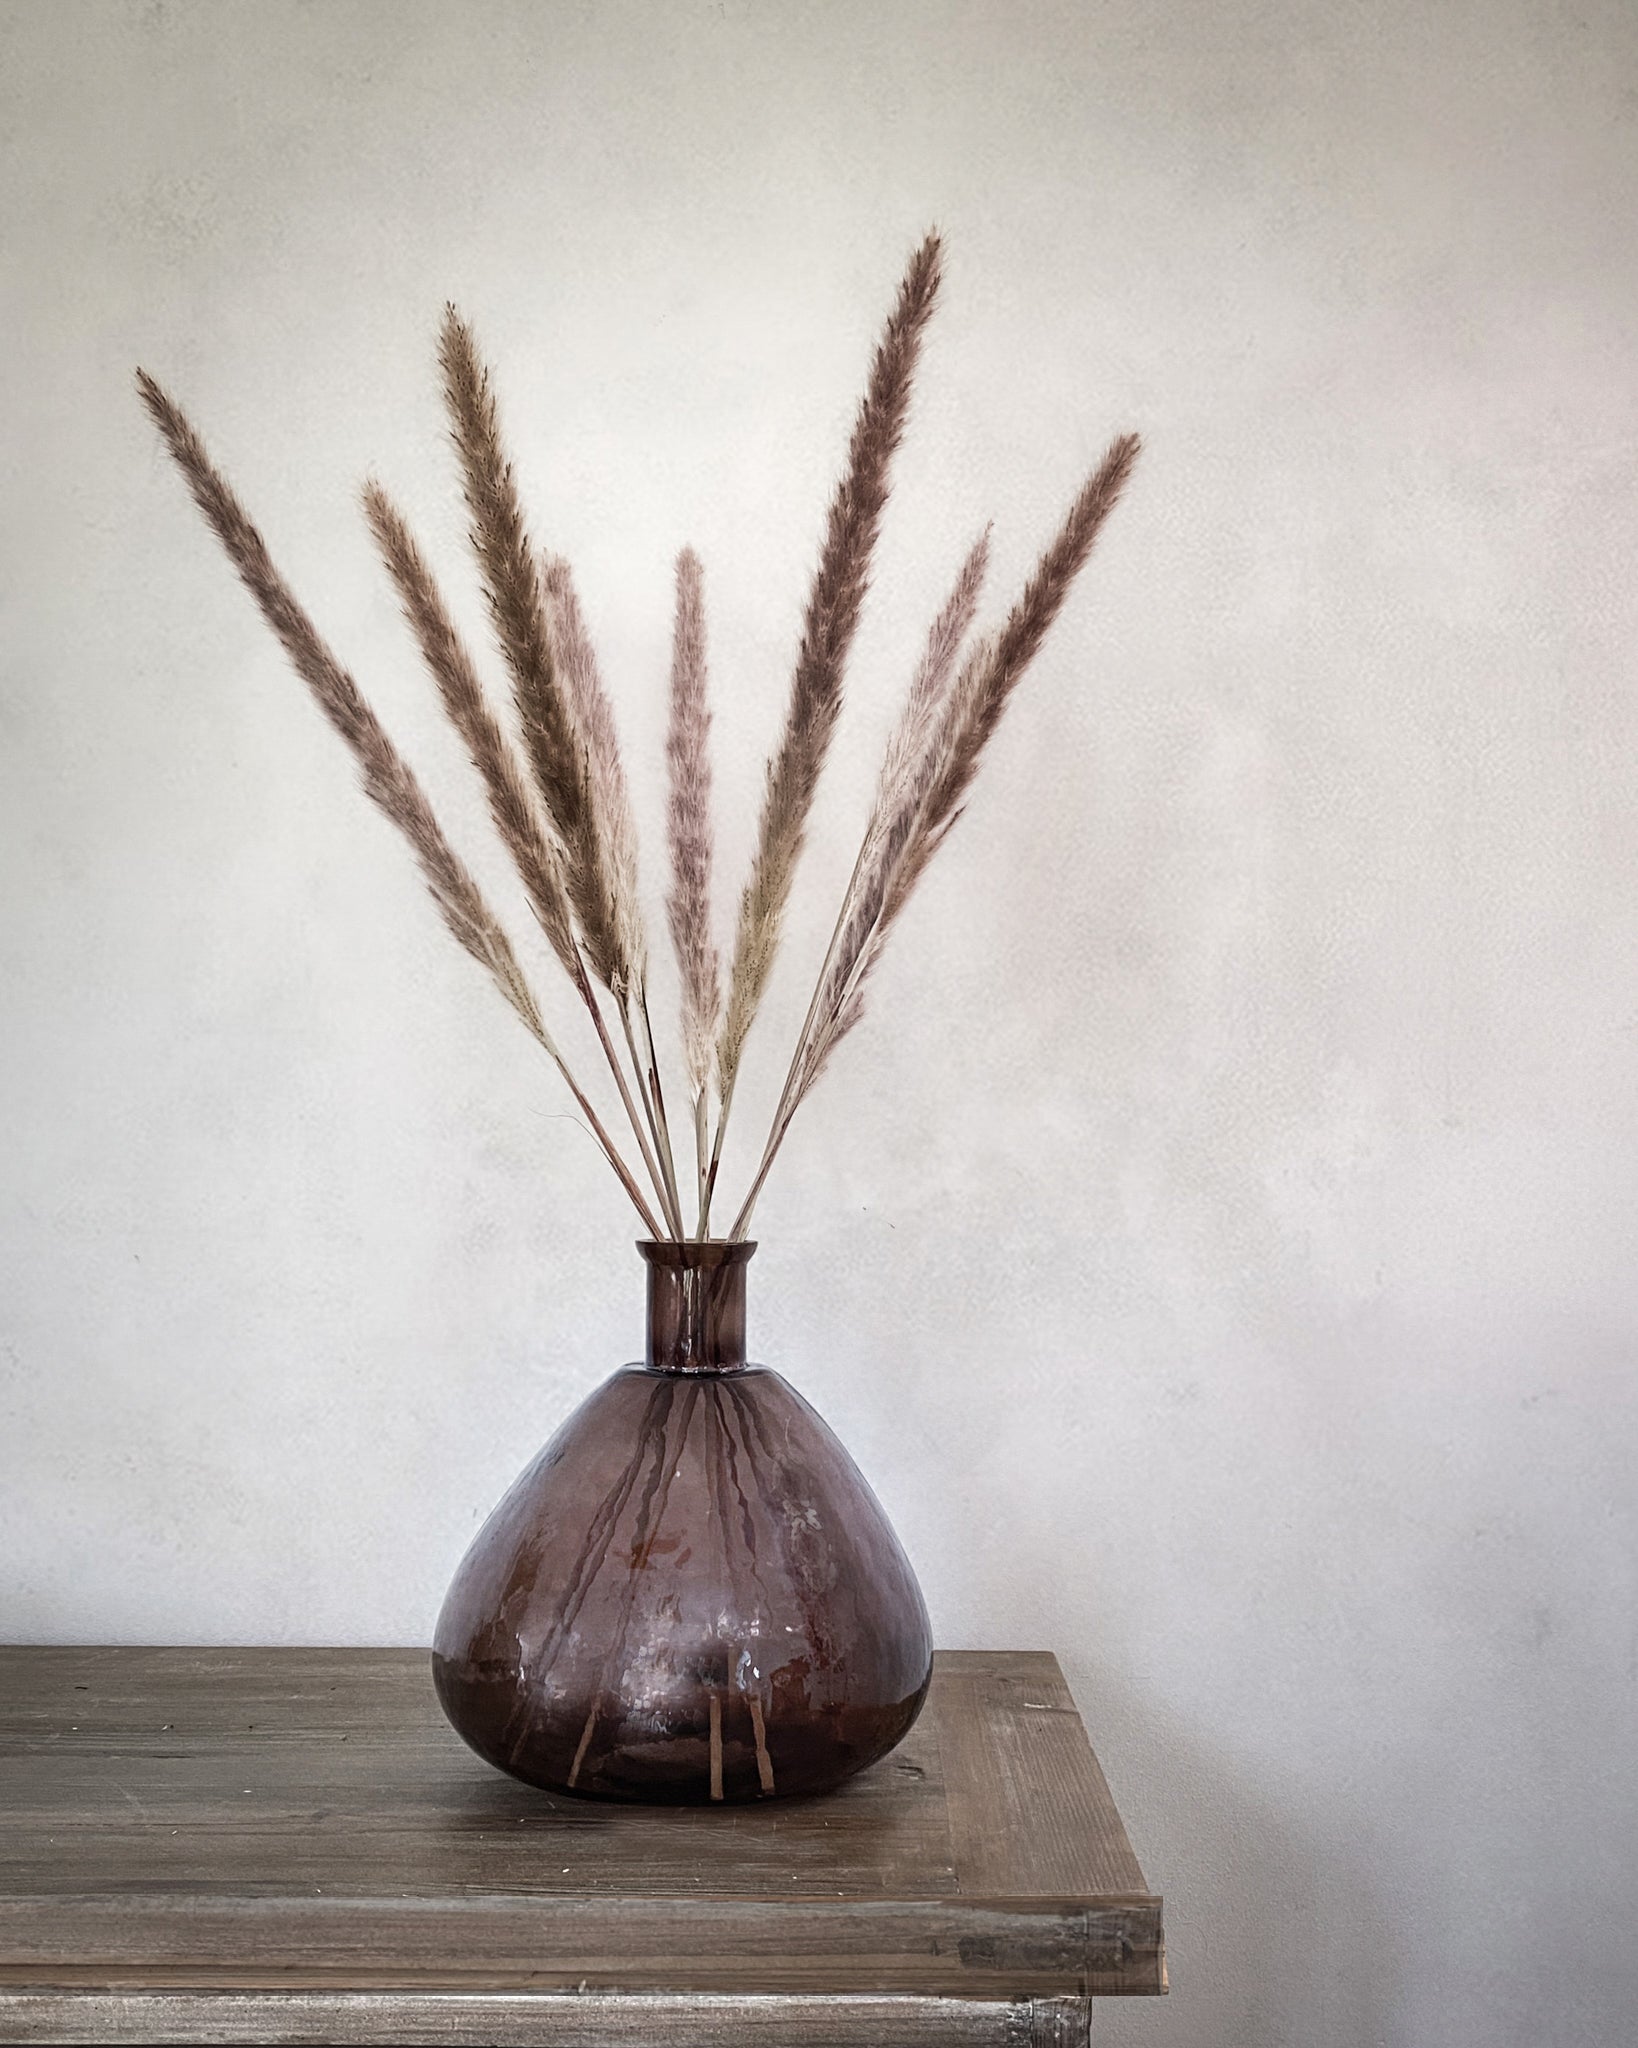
<point x="291" y="1845"/>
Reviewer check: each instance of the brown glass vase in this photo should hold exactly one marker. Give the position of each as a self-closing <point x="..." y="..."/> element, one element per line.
<point x="691" y="1594"/>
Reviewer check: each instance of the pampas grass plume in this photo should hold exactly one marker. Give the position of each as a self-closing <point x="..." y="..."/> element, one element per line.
<point x="688" y="825"/>
<point x="517" y="601"/>
<point x="560" y="804"/>
<point x="388" y="780"/>
<point x="834" y="604"/>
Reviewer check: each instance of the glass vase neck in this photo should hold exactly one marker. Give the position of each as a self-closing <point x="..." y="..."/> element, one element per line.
<point x="696" y="1306"/>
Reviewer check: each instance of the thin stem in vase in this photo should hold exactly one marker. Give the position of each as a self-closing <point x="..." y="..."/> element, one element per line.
<point x="715" y="1167"/>
<point x="657" y="1088"/>
<point x="702" y="1159"/>
<point x="662" y="1145"/>
<point x="610" y="1152"/>
<point x="634" y="1116"/>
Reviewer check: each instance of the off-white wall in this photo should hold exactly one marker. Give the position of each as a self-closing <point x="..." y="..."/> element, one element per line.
<point x="1219" y="1247"/>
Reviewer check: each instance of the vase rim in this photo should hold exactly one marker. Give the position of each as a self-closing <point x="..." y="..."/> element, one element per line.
<point x="695" y="1252"/>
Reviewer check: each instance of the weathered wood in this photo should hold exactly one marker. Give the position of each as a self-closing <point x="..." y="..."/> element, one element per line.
<point x="283" y="1822"/>
<point x="334" y="1769"/>
<point x="689" y="1944"/>
<point x="556" y="2020"/>
<point x="1029" y="1809"/>
<point x="1031" y="1814"/>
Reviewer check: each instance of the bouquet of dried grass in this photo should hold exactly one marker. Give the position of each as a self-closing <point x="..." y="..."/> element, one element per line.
<point x="557" y="788"/>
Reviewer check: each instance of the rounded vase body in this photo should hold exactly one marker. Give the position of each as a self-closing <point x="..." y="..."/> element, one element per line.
<point x="692" y="1594"/>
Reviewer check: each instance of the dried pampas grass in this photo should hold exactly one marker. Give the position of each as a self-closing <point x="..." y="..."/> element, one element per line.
<point x="593" y="714"/>
<point x="688" y="837"/>
<point x="388" y="779"/>
<point x="559" y="751"/>
<point x="933" y="758"/>
<point x="510" y="803"/>
<point x="834" y="603"/>
<point x="558" y="794"/>
<point x="688" y="826"/>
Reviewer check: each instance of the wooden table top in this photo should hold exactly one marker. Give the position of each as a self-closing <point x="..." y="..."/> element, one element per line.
<point x="175" y="1818"/>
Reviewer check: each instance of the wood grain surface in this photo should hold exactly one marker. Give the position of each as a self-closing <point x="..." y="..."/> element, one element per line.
<point x="199" y="1826"/>
<point x="547" y="2020"/>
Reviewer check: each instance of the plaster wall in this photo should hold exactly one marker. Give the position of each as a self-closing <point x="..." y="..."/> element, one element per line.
<point x="1218" y="1246"/>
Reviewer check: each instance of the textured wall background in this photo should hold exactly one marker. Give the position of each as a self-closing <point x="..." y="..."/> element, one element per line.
<point x="1219" y="1248"/>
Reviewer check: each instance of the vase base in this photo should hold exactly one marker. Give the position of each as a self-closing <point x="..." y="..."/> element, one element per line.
<point x="738" y="1756"/>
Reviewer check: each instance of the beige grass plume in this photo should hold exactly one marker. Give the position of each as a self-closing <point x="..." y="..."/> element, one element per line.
<point x="616" y="831"/>
<point x="901" y="786"/>
<point x="974" y="709"/>
<point x="558" y="751"/>
<point x="930" y="793"/>
<point x="576" y="662"/>
<point x="688" y="826"/>
<point x="451" y="666"/>
<point x="976" y="706"/>
<point x="873" y="905"/>
<point x="388" y="779"/>
<point x="510" y="804"/>
<point x="562" y="807"/>
<point x="928" y="688"/>
<point x="832" y="616"/>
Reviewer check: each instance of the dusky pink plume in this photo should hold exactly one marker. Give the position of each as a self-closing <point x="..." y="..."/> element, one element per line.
<point x="925" y="697"/>
<point x="688" y="823"/>
<point x="388" y="779"/>
<point x="965" y="723"/>
<point x="515" y="590"/>
<point x="834" y="603"/>
<point x="582" y="679"/>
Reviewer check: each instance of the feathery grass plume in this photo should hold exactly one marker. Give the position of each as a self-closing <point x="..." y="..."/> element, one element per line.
<point x="688" y="826"/>
<point x="510" y="803"/>
<point x="388" y="779"/>
<point x="517" y="605"/>
<point x="908" y="745"/>
<point x="901" y="786"/>
<point x="838" y="997"/>
<point x="576" y="662"/>
<point x="832" y="616"/>
<point x="930" y="806"/>
<point x="888" y="838"/>
<point x="976" y="706"/>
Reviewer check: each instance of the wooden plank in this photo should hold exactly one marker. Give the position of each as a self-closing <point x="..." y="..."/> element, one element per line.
<point x="702" y="1944"/>
<point x="550" y="2021"/>
<point x="1029" y="1809"/>
<point x="291" y="1820"/>
<point x="1031" y="1813"/>
<point x="335" y="1771"/>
